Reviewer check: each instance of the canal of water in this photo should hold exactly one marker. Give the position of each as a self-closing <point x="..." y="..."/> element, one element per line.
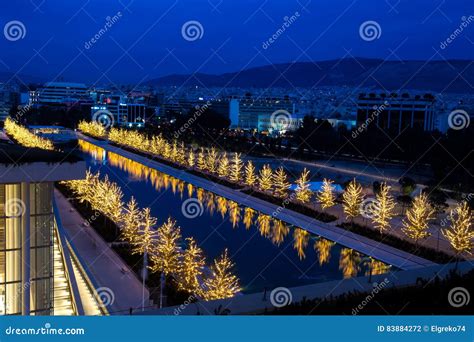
<point x="267" y="252"/>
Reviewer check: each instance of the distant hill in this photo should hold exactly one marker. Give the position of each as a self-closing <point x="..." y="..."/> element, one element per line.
<point x="20" y="78"/>
<point x="441" y="76"/>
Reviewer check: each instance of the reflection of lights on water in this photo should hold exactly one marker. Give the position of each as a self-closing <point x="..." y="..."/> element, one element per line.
<point x="270" y="228"/>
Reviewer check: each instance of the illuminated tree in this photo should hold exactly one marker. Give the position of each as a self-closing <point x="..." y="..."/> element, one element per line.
<point x="326" y="195"/>
<point x="281" y="182"/>
<point x="460" y="233"/>
<point x="174" y="152"/>
<point x="323" y="249"/>
<point x="201" y="160"/>
<point x="166" y="252"/>
<point x="417" y="219"/>
<point x="352" y="200"/>
<point x="222" y="283"/>
<point x="223" y="169"/>
<point x="211" y="160"/>
<point x="300" y="241"/>
<point x="250" y="177"/>
<point x="236" y="168"/>
<point x="302" y="192"/>
<point x="24" y="137"/>
<point x="191" y="159"/>
<point x="191" y="267"/>
<point x="181" y="157"/>
<point x="144" y="238"/>
<point x="131" y="221"/>
<point x="265" y="179"/>
<point x="383" y="211"/>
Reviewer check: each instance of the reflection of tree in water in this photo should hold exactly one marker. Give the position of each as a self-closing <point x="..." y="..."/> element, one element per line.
<point x="279" y="232"/>
<point x="210" y="203"/>
<point x="234" y="213"/>
<point x="323" y="249"/>
<point x="200" y="195"/>
<point x="248" y="217"/>
<point x="377" y="267"/>
<point x="301" y="238"/>
<point x="263" y="223"/>
<point x="222" y="206"/>
<point x="181" y="189"/>
<point x="190" y="190"/>
<point x="349" y="262"/>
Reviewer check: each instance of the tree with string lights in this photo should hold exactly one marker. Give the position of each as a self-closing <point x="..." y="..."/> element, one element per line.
<point x="265" y="179"/>
<point x="222" y="283"/>
<point x="383" y="211"/>
<point x="166" y="252"/>
<point x="223" y="168"/>
<point x="326" y="195"/>
<point x="131" y="221"/>
<point x="201" y="160"/>
<point x="460" y="234"/>
<point x="250" y="176"/>
<point x="211" y="160"/>
<point x="303" y="192"/>
<point x="352" y="199"/>
<point x="236" y="168"/>
<point x="281" y="182"/>
<point x="191" y="159"/>
<point x="191" y="267"/>
<point x="416" y="224"/>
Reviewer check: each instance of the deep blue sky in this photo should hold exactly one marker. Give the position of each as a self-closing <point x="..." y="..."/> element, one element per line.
<point x="151" y="30"/>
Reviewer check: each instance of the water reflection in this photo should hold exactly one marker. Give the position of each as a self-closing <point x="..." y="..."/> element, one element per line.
<point x="351" y="263"/>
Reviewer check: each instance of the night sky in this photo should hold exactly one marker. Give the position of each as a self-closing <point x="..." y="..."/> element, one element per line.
<point x="145" y="41"/>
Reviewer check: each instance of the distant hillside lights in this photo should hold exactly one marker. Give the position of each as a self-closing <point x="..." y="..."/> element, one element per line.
<point x="110" y="21"/>
<point x="377" y="110"/>
<point x="466" y="21"/>
<point x="288" y="21"/>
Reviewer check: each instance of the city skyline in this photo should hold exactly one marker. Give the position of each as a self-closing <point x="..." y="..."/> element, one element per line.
<point x="145" y="40"/>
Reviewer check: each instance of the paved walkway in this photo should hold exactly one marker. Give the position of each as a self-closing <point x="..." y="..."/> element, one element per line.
<point x="103" y="264"/>
<point x="387" y="254"/>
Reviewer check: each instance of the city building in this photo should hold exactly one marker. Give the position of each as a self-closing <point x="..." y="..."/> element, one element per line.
<point x="122" y="110"/>
<point x="61" y="93"/>
<point x="40" y="272"/>
<point x="9" y="98"/>
<point x="396" y="112"/>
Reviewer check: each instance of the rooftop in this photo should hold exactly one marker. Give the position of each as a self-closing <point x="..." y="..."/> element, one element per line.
<point x="11" y="154"/>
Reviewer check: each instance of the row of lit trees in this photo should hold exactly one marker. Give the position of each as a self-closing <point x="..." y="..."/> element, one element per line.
<point x="93" y="128"/>
<point x="24" y="137"/>
<point x="275" y="182"/>
<point x="162" y="245"/>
